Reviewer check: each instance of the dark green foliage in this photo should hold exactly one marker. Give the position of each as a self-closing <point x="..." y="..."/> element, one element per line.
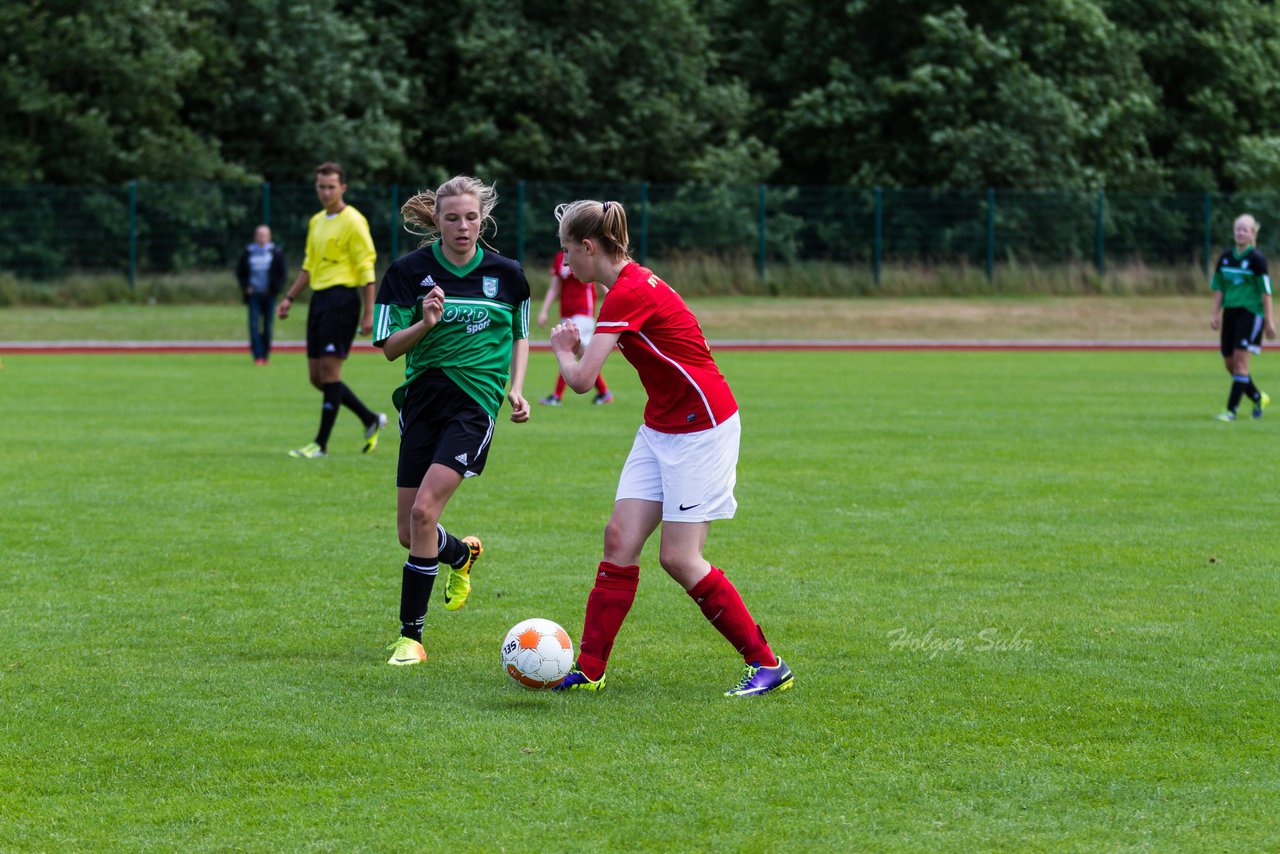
<point x="1212" y="64"/>
<point x="1021" y="94"/>
<point x="1064" y="94"/>
<point x="95" y="91"/>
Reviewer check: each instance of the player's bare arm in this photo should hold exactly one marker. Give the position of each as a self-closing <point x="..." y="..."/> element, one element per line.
<point x="553" y="293"/>
<point x="519" y="364"/>
<point x="404" y="340"/>
<point x="567" y="342"/>
<point x="581" y="367"/>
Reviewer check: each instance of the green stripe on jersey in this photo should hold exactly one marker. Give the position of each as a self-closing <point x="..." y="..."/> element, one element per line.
<point x="1243" y="279"/>
<point x="1242" y="288"/>
<point x="471" y="344"/>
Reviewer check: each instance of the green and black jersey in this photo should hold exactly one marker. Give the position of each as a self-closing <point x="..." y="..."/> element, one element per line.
<point x="1243" y="279"/>
<point x="486" y="308"/>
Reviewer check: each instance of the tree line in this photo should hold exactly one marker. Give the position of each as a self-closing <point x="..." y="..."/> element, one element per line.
<point x="1067" y="94"/>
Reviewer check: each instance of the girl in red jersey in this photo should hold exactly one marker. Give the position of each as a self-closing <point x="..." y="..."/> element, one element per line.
<point x="577" y="304"/>
<point x="682" y="467"/>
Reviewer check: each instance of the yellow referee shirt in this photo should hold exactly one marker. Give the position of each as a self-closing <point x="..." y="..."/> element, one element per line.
<point x="340" y="250"/>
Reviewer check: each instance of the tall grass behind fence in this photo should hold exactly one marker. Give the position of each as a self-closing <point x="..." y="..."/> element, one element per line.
<point x="732" y="238"/>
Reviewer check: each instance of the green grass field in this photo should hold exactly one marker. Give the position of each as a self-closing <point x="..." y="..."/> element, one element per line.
<point x="723" y="318"/>
<point x="1030" y="599"/>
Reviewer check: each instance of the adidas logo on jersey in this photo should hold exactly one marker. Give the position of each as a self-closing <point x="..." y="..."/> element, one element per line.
<point x="462" y="458"/>
<point x="428" y="282"/>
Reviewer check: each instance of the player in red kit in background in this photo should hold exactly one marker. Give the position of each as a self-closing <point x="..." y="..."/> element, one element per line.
<point x="682" y="467"/>
<point x="577" y="304"/>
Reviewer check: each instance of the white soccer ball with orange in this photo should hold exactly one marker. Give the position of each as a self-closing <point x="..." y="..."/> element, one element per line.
<point x="537" y="654"/>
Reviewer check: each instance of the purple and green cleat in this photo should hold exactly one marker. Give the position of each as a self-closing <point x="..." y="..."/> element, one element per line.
<point x="758" y="680"/>
<point x="578" y="681"/>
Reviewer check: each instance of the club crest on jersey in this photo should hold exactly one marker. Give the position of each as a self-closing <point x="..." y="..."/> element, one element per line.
<point x="489" y="285"/>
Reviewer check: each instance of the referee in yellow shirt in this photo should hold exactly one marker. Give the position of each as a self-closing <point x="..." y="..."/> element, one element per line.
<point x="339" y="269"/>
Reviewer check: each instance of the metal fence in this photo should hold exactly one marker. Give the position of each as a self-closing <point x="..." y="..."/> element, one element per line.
<point x="49" y="232"/>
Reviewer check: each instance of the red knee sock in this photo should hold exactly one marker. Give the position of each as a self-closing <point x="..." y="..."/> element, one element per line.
<point x="607" y="606"/>
<point x="721" y="604"/>
<point x="560" y="384"/>
<point x="600" y="386"/>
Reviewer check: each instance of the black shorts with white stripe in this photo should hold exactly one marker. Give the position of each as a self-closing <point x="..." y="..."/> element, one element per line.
<point x="441" y="423"/>
<point x="1241" y="330"/>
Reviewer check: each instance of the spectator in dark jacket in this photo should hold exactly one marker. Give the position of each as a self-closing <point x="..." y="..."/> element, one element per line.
<point x="261" y="273"/>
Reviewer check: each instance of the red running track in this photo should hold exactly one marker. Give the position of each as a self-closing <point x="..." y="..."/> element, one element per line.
<point x="45" y="348"/>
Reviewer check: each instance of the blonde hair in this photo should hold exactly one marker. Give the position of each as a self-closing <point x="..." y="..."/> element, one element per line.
<point x="605" y="222"/>
<point x="419" y="212"/>
<point x="1256" y="225"/>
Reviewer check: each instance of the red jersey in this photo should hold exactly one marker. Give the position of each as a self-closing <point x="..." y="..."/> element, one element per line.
<point x="662" y="339"/>
<point x="575" y="297"/>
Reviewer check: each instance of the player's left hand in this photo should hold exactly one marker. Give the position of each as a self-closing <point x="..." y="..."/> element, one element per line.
<point x="519" y="407"/>
<point x="366" y="327"/>
<point x="1270" y="331"/>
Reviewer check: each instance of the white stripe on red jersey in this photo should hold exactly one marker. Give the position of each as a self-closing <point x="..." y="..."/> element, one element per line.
<point x="661" y="338"/>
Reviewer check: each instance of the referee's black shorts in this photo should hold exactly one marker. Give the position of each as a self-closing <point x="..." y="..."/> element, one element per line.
<point x="1241" y="330"/>
<point x="332" y="321"/>
<point x="441" y="423"/>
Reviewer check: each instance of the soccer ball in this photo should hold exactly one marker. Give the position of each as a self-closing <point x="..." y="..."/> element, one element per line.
<point x="537" y="654"/>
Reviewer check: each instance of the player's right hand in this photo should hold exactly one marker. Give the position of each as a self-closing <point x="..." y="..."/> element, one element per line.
<point x="564" y="337"/>
<point x="433" y="306"/>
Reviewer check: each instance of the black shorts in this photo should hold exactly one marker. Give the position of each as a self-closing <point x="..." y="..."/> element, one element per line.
<point x="332" y="321"/>
<point x="441" y="423"/>
<point x="1241" y="330"/>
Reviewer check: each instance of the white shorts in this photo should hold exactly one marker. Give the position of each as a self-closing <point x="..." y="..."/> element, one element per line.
<point x="586" y="326"/>
<point x="691" y="474"/>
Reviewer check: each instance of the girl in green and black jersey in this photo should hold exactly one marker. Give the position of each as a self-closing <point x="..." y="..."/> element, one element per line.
<point x="1242" y="311"/>
<point x="459" y="315"/>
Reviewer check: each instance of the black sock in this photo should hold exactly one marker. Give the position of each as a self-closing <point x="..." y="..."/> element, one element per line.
<point x="1237" y="392"/>
<point x="415" y="592"/>
<point x="328" y="412"/>
<point x="452" y="550"/>
<point x="1251" y="390"/>
<point x="350" y="401"/>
